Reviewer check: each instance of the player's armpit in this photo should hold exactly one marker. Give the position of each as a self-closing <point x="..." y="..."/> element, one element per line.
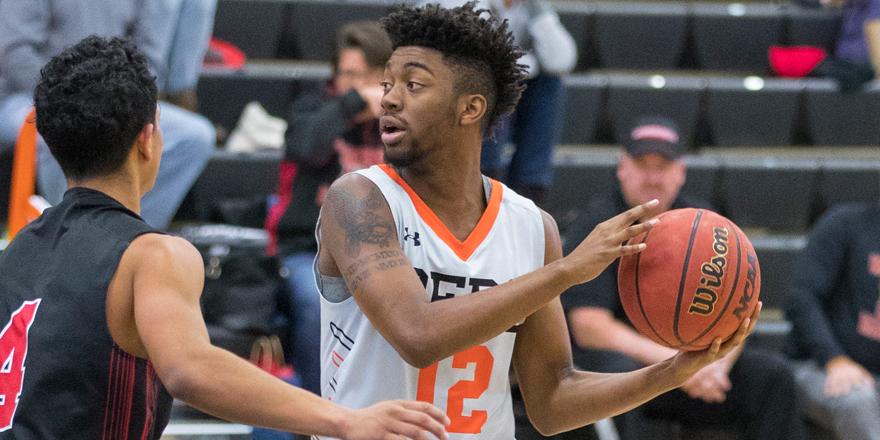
<point x="359" y="236"/>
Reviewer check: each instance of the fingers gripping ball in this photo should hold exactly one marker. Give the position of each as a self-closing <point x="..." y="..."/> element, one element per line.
<point x="697" y="280"/>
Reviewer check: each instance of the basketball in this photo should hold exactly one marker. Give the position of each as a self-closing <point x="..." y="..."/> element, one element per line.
<point x="697" y="280"/>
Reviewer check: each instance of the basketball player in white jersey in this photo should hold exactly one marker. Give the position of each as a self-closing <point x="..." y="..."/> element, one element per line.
<point x="434" y="278"/>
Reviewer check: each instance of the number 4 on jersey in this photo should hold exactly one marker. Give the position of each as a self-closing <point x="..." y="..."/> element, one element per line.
<point x="13" y="351"/>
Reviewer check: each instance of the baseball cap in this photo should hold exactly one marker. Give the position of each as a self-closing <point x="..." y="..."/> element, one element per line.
<point x="654" y="134"/>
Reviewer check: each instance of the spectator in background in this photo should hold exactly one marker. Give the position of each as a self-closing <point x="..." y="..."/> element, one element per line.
<point x="31" y="32"/>
<point x="328" y="135"/>
<point x="856" y="57"/>
<point x="535" y="125"/>
<point x="834" y="308"/>
<point x="189" y="30"/>
<point x="749" y="390"/>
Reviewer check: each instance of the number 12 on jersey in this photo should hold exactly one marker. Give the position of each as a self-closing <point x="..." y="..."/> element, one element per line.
<point x="483" y="361"/>
<point x="13" y="350"/>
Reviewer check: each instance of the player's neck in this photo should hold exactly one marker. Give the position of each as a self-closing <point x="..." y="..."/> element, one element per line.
<point x="451" y="185"/>
<point x="122" y="188"/>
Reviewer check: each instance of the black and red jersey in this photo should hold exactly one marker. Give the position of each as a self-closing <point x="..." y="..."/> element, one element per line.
<point x="62" y="376"/>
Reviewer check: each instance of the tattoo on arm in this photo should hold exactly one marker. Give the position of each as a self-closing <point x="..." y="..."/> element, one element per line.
<point x="360" y="219"/>
<point x="380" y="261"/>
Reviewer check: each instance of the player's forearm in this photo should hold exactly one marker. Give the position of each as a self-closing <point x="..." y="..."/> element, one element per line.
<point x="226" y="386"/>
<point x="440" y="329"/>
<point x="583" y="397"/>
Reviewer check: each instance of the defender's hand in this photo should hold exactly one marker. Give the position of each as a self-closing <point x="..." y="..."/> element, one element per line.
<point x="395" y="420"/>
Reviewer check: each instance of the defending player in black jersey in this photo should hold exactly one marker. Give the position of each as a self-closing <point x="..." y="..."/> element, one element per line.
<point x="100" y="314"/>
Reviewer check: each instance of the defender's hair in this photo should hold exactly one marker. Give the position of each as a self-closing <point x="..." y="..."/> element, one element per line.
<point x="477" y="44"/>
<point x="92" y="101"/>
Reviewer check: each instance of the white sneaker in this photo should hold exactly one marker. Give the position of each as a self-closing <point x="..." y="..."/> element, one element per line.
<point x="256" y="130"/>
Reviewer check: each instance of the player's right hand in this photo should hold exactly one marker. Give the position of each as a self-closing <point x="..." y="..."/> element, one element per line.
<point x="399" y="419"/>
<point x="607" y="242"/>
<point x="842" y="374"/>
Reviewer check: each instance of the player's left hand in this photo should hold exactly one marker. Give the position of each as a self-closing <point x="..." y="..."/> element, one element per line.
<point x="688" y="363"/>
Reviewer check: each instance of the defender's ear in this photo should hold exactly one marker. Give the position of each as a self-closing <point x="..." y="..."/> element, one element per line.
<point x="144" y="142"/>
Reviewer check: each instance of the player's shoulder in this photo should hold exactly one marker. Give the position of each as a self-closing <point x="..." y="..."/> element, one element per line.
<point x="163" y="250"/>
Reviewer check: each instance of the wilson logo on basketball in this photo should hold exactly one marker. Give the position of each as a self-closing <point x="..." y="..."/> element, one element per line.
<point x="713" y="271"/>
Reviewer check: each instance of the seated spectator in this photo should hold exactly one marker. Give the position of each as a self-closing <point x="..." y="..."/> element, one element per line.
<point x="835" y="314"/>
<point x="749" y="390"/>
<point x="857" y="53"/>
<point x="32" y="32"/>
<point x="328" y="135"/>
<point x="535" y="125"/>
<point x="189" y="28"/>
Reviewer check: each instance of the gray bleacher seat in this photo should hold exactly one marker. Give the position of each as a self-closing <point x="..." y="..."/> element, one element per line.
<point x="676" y="97"/>
<point x="584" y="99"/>
<point x="223" y="94"/>
<point x="752" y="111"/>
<point x="776" y="254"/>
<point x="311" y="30"/>
<point x="835" y="118"/>
<point x="640" y="35"/>
<point x="812" y="27"/>
<point x="254" y="27"/>
<point x="736" y="36"/>
<point x="576" y="178"/>
<point x="768" y="193"/>
<point x="846" y="181"/>
<point x="702" y="179"/>
<point x="247" y="179"/>
<point x="578" y="18"/>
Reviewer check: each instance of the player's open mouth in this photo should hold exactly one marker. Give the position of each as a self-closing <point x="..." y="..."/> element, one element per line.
<point x="392" y="130"/>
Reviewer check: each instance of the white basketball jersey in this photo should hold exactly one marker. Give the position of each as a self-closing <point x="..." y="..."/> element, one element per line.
<point x="359" y="367"/>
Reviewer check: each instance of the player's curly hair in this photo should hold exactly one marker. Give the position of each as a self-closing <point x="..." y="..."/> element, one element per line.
<point x="92" y="100"/>
<point x="478" y="44"/>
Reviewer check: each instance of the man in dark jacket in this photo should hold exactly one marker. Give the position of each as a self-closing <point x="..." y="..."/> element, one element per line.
<point x="835" y="314"/>
<point x="748" y="390"/>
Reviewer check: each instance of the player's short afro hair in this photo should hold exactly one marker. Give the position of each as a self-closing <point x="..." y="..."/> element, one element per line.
<point x="92" y="100"/>
<point x="473" y="40"/>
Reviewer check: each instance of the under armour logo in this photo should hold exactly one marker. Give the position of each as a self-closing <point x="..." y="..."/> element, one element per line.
<point x="414" y="236"/>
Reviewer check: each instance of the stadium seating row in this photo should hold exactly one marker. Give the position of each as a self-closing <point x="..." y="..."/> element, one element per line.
<point x="759" y="193"/>
<point x="710" y="110"/>
<point x="631" y="35"/>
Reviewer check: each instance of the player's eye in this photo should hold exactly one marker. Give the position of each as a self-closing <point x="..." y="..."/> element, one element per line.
<point x="386" y="86"/>
<point x="413" y="86"/>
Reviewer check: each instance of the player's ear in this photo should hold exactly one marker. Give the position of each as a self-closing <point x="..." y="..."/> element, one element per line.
<point x="144" y="142"/>
<point x="472" y="108"/>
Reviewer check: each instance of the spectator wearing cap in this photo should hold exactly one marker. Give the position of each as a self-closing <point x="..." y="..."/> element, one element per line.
<point x="750" y="391"/>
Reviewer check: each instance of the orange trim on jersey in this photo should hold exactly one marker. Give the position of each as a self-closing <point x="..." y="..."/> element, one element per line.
<point x="465" y="248"/>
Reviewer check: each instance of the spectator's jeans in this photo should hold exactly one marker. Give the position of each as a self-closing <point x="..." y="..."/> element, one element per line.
<point x="855" y="416"/>
<point x="189" y="142"/>
<point x="304" y="310"/>
<point x="190" y="25"/>
<point x="534" y="129"/>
